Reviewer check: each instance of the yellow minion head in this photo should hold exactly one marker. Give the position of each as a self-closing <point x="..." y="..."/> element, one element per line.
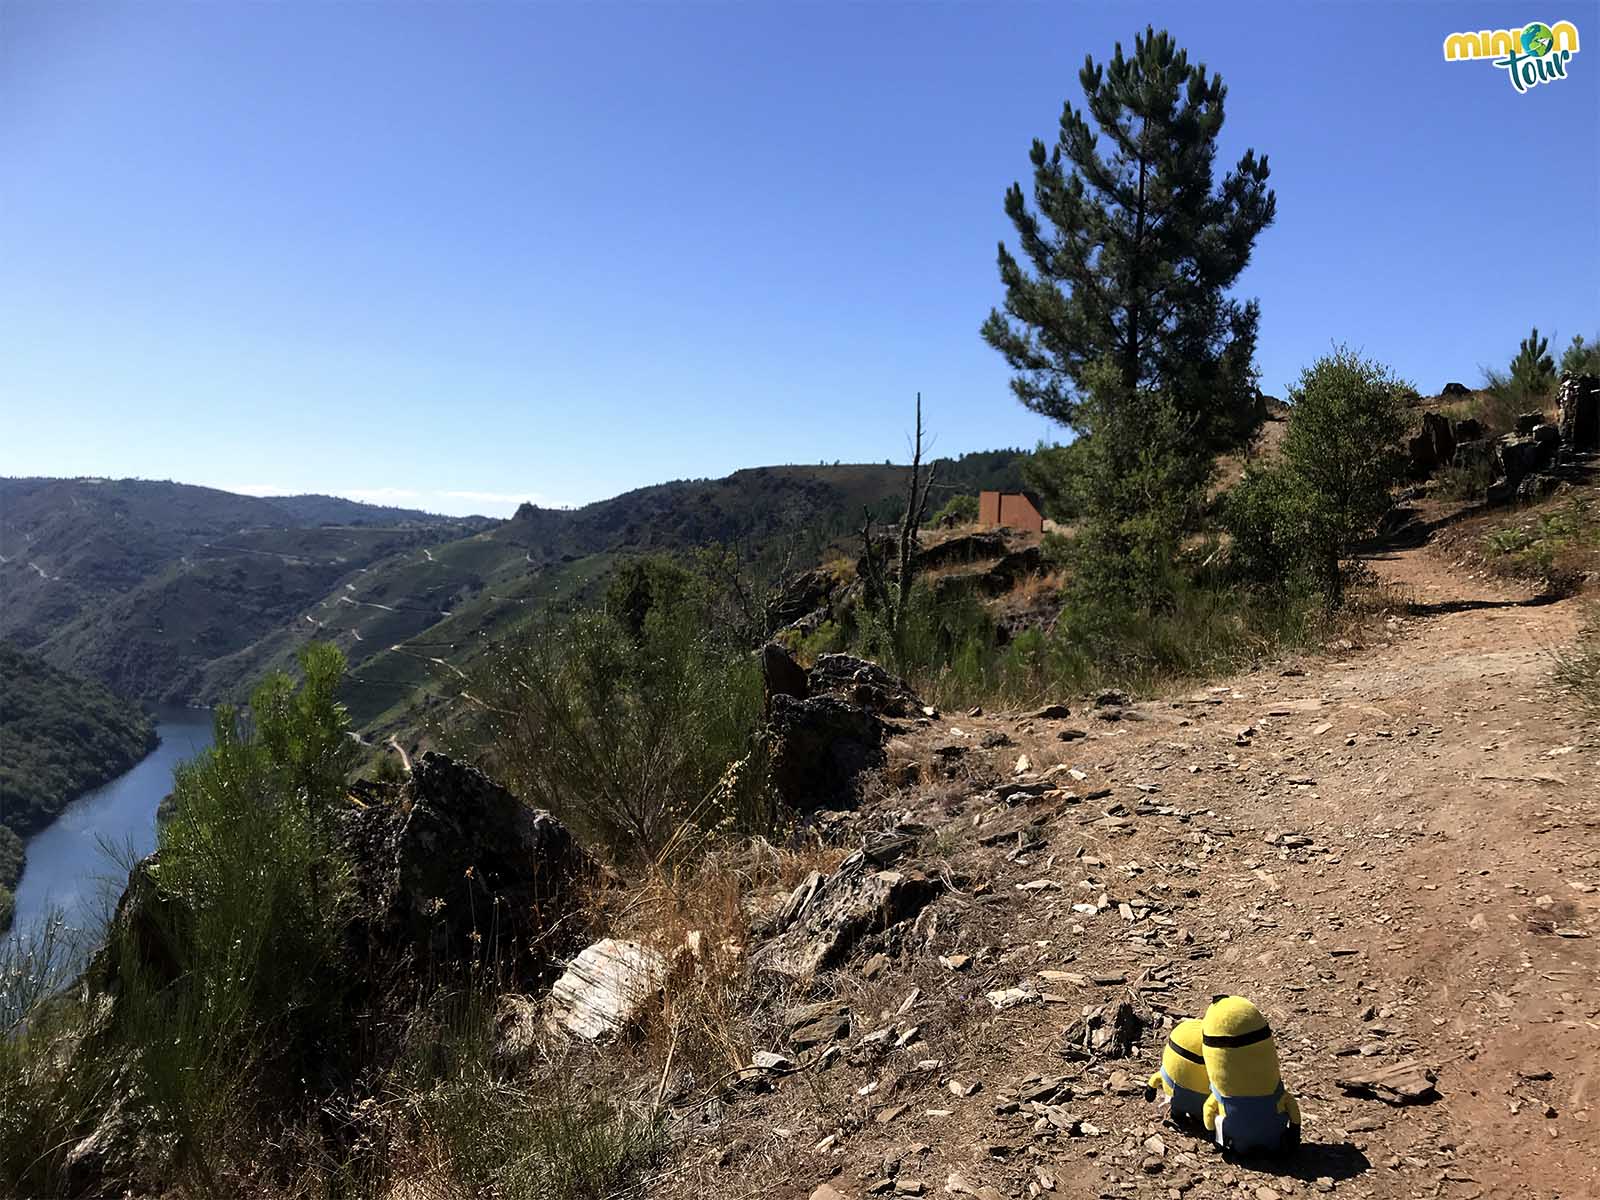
<point x="1240" y="1056"/>
<point x="1182" y="1058"/>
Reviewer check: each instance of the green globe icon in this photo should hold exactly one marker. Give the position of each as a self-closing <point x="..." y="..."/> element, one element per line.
<point x="1537" y="39"/>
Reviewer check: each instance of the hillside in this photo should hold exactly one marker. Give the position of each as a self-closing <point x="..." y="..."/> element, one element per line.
<point x="172" y="593"/>
<point x="59" y="737"/>
<point x="139" y="583"/>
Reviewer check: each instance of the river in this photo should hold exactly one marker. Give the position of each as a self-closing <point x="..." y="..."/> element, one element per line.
<point x="69" y="869"/>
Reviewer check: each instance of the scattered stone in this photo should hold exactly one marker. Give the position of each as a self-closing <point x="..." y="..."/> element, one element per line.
<point x="1053" y="712"/>
<point x="766" y="1060"/>
<point x="814" y="1024"/>
<point x="1011" y="997"/>
<point x="1406" y="1082"/>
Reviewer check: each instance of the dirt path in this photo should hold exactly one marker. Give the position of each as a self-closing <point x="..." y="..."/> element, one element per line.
<point x="1395" y="854"/>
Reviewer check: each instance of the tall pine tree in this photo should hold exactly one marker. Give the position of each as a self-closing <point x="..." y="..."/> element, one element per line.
<point x="1133" y="250"/>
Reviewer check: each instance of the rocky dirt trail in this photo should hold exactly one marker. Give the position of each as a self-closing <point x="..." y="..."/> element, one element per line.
<point x="1395" y="853"/>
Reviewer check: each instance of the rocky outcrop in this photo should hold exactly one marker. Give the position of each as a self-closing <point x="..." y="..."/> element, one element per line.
<point x="1432" y="447"/>
<point x="967" y="548"/>
<point x="451" y="868"/>
<point x="1454" y="391"/>
<point x="781" y="675"/>
<point x="801" y="595"/>
<point x="827" y="917"/>
<point x="818" y="748"/>
<point x="1580" y="412"/>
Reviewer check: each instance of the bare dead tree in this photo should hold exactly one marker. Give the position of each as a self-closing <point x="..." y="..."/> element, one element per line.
<point x="887" y="597"/>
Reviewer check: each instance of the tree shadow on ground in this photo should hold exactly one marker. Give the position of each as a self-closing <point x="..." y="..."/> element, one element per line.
<point x="1417" y="609"/>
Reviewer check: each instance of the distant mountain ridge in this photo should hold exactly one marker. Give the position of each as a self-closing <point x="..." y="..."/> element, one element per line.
<point x="173" y="593"/>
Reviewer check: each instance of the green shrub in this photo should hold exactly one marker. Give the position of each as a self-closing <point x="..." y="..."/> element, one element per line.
<point x="1341" y="462"/>
<point x="1268" y="517"/>
<point x="1468" y="482"/>
<point x="230" y="993"/>
<point x="625" y="739"/>
<point x="490" y="1135"/>
<point x="1581" y="357"/>
<point x="958" y="510"/>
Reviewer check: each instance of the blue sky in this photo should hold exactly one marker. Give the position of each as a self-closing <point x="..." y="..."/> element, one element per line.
<point x="454" y="255"/>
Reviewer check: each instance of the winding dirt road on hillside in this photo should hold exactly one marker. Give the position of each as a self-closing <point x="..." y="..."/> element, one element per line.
<point x="1396" y="854"/>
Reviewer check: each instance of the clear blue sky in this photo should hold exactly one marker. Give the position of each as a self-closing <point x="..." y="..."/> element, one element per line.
<point x="459" y="254"/>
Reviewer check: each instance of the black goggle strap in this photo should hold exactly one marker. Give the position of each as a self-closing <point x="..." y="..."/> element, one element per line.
<point x="1227" y="1041"/>
<point x="1182" y="1053"/>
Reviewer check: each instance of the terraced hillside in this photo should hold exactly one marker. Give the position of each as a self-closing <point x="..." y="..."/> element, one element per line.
<point x="139" y="584"/>
<point x="173" y="593"/>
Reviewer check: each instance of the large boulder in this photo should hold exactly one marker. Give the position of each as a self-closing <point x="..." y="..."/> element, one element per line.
<point x="818" y="748"/>
<point x="781" y="675"/>
<point x="1580" y="412"/>
<point x="1519" y="456"/>
<point x="864" y="684"/>
<point x="452" y="869"/>
<point x="606" y="989"/>
<point x="1475" y="452"/>
<point x="1432" y="447"/>
<point x="1454" y="391"/>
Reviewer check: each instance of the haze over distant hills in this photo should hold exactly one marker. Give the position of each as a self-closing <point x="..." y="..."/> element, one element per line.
<point x="170" y="592"/>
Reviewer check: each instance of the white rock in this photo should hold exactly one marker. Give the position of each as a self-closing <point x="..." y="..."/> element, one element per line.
<point x="604" y="989"/>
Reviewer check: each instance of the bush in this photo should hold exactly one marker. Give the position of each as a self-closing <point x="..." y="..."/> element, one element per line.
<point x="1342" y="460"/>
<point x="626" y="739"/>
<point x="243" y="1002"/>
<point x="476" y="1132"/>
<point x="1580" y="357"/>
<point x="1468" y="482"/>
<point x="1268" y="516"/>
<point x="958" y="510"/>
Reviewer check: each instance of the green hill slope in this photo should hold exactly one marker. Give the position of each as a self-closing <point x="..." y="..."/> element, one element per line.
<point x="172" y="593"/>
<point x="140" y="583"/>
<point x="59" y="737"/>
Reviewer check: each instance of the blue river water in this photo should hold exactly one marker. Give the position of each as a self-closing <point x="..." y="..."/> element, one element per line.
<point x="73" y="865"/>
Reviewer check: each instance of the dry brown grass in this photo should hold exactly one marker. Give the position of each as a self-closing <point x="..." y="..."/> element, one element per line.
<point x="698" y="914"/>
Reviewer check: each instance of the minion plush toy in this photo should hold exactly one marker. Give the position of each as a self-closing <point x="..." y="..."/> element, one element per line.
<point x="1182" y="1077"/>
<point x="1248" y="1108"/>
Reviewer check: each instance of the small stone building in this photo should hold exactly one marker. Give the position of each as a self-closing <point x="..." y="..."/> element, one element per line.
<point x="1010" y="510"/>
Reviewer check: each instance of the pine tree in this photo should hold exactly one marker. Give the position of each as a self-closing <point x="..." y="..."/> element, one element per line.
<point x="1133" y="250"/>
<point x="1533" y="368"/>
